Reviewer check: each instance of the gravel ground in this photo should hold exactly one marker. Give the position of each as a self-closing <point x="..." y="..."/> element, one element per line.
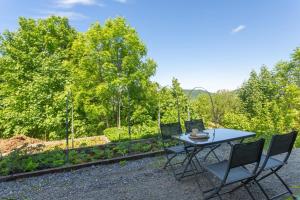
<point x="140" y="179"/>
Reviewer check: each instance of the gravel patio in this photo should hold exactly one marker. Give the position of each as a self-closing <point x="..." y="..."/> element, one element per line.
<point x="140" y="179"/>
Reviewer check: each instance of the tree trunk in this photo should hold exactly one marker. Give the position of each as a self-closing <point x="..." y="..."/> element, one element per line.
<point x="119" y="113"/>
<point x="107" y="121"/>
<point x="158" y="118"/>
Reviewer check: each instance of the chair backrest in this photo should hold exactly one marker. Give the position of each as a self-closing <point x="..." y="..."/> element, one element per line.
<point x="246" y="153"/>
<point x="282" y="144"/>
<point x="196" y="123"/>
<point x="168" y="130"/>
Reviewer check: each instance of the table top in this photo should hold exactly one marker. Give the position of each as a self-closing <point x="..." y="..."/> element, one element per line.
<point x="218" y="135"/>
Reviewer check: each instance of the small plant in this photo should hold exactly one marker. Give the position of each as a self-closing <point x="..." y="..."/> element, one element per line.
<point x="72" y="156"/>
<point x="108" y="153"/>
<point x="122" y="163"/>
<point x="21" y="160"/>
<point x="97" y="153"/>
<point x="146" y="147"/>
<point x="116" y="134"/>
<point x="137" y="147"/>
<point x="30" y="165"/>
<point x="122" y="148"/>
<point x="4" y="170"/>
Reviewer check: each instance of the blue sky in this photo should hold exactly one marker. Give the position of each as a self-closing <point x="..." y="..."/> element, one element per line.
<point x="212" y="43"/>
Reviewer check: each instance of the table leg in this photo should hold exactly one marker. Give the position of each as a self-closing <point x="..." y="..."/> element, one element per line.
<point x="189" y="159"/>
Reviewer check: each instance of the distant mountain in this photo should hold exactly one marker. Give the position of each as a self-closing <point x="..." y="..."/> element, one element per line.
<point x="194" y="94"/>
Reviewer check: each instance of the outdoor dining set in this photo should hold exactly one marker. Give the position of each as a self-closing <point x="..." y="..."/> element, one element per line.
<point x="245" y="165"/>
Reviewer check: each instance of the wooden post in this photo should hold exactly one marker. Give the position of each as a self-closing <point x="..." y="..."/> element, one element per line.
<point x="72" y="120"/>
<point x="67" y="128"/>
<point x="129" y="125"/>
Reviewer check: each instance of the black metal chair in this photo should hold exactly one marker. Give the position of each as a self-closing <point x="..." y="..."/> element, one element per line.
<point x="280" y="144"/>
<point x="198" y="123"/>
<point x="167" y="132"/>
<point x="195" y="123"/>
<point x="234" y="170"/>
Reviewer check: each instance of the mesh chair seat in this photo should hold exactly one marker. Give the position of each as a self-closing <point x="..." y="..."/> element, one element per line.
<point x="176" y="149"/>
<point x="271" y="163"/>
<point x="235" y="174"/>
<point x="280" y="144"/>
<point x="234" y="170"/>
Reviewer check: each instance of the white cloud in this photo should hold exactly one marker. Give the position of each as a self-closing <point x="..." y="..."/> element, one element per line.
<point x="121" y="1"/>
<point x="238" y="29"/>
<point x="70" y="15"/>
<point x="71" y="3"/>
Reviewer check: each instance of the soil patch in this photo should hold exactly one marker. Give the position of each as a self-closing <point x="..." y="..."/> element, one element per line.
<point x="8" y="145"/>
<point x="16" y="142"/>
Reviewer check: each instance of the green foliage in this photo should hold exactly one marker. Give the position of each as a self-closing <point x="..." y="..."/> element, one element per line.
<point x="271" y="99"/>
<point x="108" y="153"/>
<point x="236" y="121"/>
<point x="97" y="153"/>
<point x="106" y="68"/>
<point x="224" y="102"/>
<point x="123" y="163"/>
<point x="21" y="160"/>
<point x="267" y="103"/>
<point x="137" y="147"/>
<point x="115" y="134"/>
<point x="108" y="71"/>
<point x="145" y="131"/>
<point x="172" y="101"/>
<point x="50" y="159"/>
<point x="110" y="74"/>
<point x="33" y="78"/>
<point x="144" y="147"/>
<point x="122" y="148"/>
<point x="30" y="165"/>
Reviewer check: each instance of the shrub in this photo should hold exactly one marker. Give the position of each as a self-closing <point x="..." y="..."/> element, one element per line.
<point x="137" y="147"/>
<point x="30" y="165"/>
<point x="21" y="160"/>
<point x="115" y="134"/>
<point x="97" y="153"/>
<point x="49" y="159"/>
<point x="4" y="170"/>
<point x="236" y="121"/>
<point x="146" y="147"/>
<point x="123" y="163"/>
<point x="122" y="148"/>
<point x="144" y="132"/>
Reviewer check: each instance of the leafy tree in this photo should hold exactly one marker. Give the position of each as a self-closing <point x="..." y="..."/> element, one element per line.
<point x="108" y="72"/>
<point x="250" y="95"/>
<point x="271" y="99"/>
<point x="111" y="75"/>
<point x="173" y="103"/>
<point x="224" y="102"/>
<point x="33" y="78"/>
<point x="201" y="108"/>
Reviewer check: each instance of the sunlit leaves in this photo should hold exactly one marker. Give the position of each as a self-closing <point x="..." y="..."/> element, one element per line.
<point x="34" y="77"/>
<point x="109" y="70"/>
